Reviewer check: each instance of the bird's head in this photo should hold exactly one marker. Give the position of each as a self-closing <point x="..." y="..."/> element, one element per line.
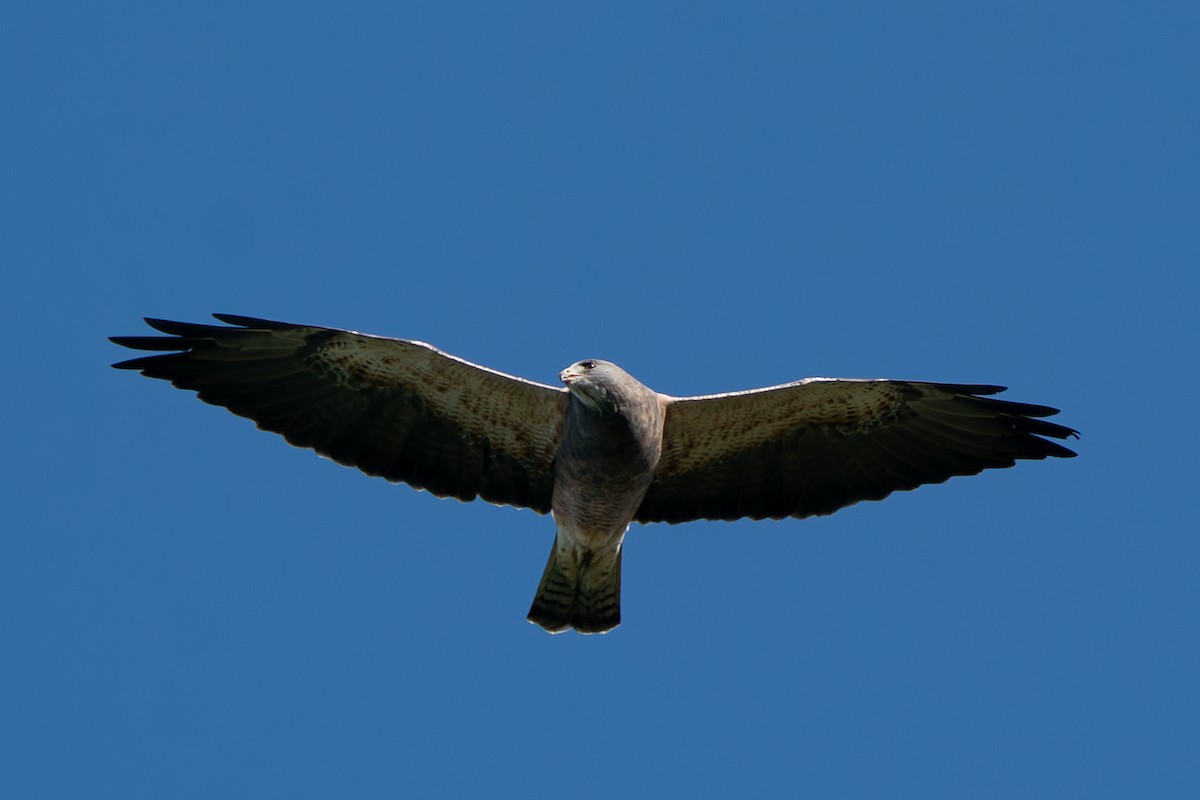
<point x="597" y="383"/>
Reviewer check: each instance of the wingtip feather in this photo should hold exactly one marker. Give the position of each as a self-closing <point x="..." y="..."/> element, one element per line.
<point x="251" y="322"/>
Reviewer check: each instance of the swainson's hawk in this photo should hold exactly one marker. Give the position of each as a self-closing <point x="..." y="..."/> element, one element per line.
<point x="599" y="454"/>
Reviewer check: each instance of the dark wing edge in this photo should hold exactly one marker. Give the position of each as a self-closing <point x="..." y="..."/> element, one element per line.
<point x="819" y="445"/>
<point x="393" y="408"/>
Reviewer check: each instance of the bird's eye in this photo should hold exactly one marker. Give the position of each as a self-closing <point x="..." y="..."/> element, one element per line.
<point x="588" y="364"/>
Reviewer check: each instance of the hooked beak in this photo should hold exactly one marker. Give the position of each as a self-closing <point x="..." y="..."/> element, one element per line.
<point x="568" y="375"/>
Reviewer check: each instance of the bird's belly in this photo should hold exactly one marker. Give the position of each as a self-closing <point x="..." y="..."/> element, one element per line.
<point x="597" y="512"/>
<point x="601" y="473"/>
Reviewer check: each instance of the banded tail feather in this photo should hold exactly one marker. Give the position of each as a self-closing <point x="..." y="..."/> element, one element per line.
<point x="586" y="597"/>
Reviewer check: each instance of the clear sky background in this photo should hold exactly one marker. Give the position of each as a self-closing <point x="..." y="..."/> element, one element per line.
<point x="716" y="196"/>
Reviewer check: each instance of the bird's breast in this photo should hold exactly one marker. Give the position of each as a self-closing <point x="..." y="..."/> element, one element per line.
<point x="604" y="466"/>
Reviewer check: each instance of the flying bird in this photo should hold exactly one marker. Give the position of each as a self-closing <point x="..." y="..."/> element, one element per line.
<point x="599" y="454"/>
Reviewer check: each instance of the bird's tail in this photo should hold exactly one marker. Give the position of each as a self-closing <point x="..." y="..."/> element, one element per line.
<point x="586" y="597"/>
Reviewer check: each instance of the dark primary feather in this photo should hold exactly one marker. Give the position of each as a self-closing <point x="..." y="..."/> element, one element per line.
<point x="390" y="407"/>
<point x="816" y="446"/>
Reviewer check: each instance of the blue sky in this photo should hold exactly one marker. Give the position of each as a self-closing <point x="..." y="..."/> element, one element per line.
<point x="715" y="196"/>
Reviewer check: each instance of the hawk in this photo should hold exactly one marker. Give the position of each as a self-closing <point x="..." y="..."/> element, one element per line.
<point x="599" y="454"/>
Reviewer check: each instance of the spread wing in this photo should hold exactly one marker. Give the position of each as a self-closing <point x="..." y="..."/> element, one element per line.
<point x="398" y="409"/>
<point x="817" y="445"/>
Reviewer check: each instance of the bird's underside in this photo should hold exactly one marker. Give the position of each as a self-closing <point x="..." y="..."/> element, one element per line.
<point x="602" y="452"/>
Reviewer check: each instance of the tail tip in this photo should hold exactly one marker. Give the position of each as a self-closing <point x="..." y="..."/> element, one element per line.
<point x="560" y="623"/>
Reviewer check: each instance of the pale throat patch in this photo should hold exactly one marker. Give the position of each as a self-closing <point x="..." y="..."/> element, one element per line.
<point x="591" y="396"/>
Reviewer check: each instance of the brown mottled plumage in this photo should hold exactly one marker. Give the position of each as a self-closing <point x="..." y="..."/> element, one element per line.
<point x="600" y="454"/>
